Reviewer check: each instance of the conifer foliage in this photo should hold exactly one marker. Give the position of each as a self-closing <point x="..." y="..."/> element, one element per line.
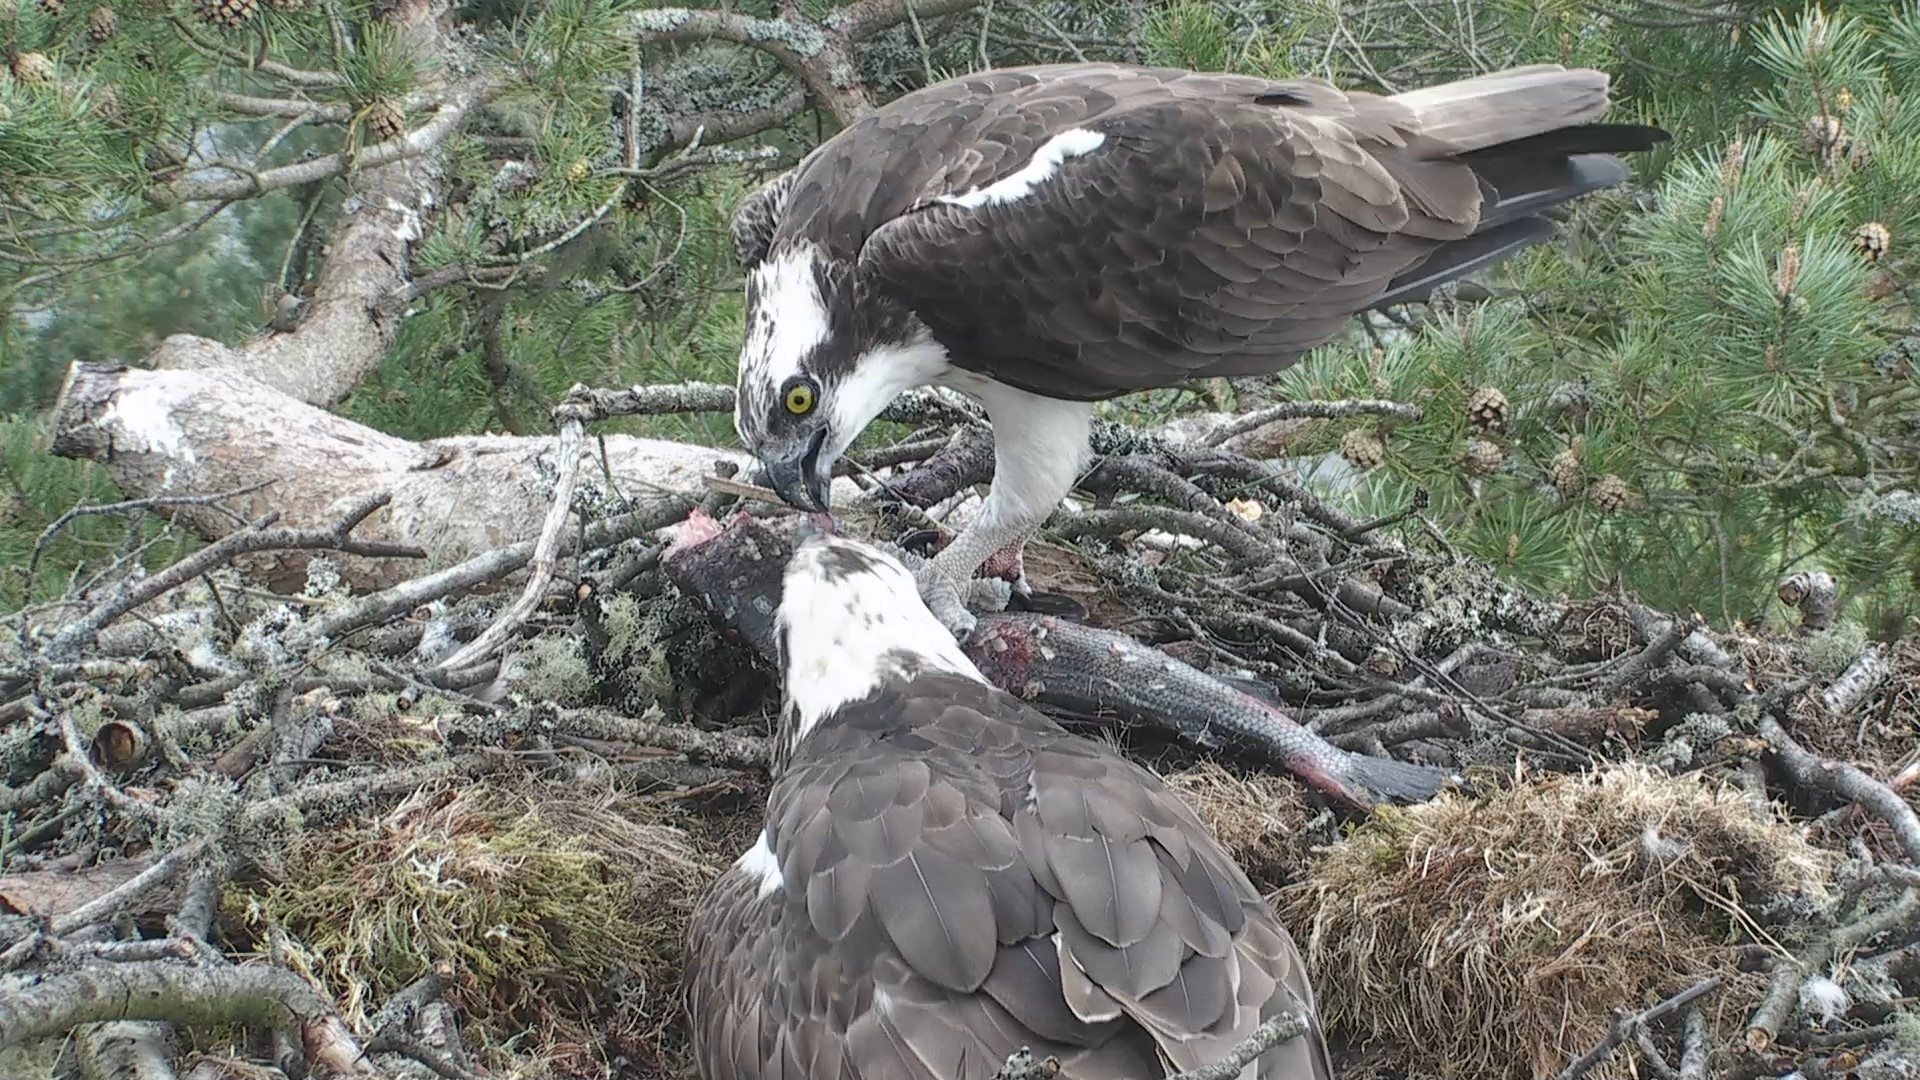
<point x="1709" y="381"/>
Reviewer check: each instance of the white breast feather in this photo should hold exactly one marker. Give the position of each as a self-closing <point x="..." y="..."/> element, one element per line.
<point x="1045" y="161"/>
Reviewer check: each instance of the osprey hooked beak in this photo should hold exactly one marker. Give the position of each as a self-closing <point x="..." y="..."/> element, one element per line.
<point x="801" y="472"/>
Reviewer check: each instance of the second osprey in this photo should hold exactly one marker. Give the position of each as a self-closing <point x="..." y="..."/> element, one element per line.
<point x="1044" y="238"/>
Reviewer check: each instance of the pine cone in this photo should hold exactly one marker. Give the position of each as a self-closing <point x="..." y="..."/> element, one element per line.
<point x="1483" y="457"/>
<point x="231" y="14"/>
<point x="1873" y="240"/>
<point x="1568" y="473"/>
<point x="53" y="8"/>
<point x="106" y="105"/>
<point x="385" y="121"/>
<point x="1487" y="408"/>
<point x="579" y="170"/>
<point x="1610" y="494"/>
<point x="1363" y="448"/>
<point x="33" y="69"/>
<point x="102" y="23"/>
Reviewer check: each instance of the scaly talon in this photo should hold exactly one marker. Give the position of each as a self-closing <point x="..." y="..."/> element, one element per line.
<point x="943" y="599"/>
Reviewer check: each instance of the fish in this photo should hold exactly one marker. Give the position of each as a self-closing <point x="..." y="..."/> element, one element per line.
<point x="733" y="570"/>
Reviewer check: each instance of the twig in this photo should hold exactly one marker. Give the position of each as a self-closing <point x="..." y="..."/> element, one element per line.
<point x="1624" y="1026"/>
<point x="256" y="537"/>
<point x="1283" y="1028"/>
<point x="1848" y="783"/>
<point x="1657" y="650"/>
<point x="1306" y="410"/>
<point x="1696" y="1053"/>
<point x="481" y="569"/>
<point x="573" y="433"/>
<point x="52" y="781"/>
<point x="714" y="747"/>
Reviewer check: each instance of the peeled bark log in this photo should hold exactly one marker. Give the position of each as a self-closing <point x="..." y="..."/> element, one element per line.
<point x="211" y="430"/>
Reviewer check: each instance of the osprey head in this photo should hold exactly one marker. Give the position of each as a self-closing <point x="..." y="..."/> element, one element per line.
<point x="850" y="622"/>
<point x="822" y="357"/>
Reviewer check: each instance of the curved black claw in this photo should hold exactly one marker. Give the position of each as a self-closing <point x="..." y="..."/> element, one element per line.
<point x="1047" y="603"/>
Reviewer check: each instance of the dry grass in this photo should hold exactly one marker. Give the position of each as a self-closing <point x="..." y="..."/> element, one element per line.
<point x="1494" y="938"/>
<point x="1259" y="818"/>
<point x="561" y="908"/>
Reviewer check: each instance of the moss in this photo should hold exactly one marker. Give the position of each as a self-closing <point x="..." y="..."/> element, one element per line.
<point x="540" y="903"/>
<point x="1829" y="652"/>
<point x="1259" y="818"/>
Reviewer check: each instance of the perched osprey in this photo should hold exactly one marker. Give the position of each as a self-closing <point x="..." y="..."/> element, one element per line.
<point x="1043" y="238"/>
<point x="946" y="876"/>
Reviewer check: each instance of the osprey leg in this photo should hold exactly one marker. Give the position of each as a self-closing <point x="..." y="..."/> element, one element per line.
<point x="1039" y="447"/>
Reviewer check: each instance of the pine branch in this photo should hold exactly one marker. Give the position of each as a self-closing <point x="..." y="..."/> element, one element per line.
<point x="819" y="54"/>
<point x="422" y="140"/>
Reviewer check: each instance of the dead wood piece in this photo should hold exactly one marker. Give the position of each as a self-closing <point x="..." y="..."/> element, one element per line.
<point x="52" y="782"/>
<point x="1630" y="672"/>
<point x="126" y="1050"/>
<point x="1847" y="782"/>
<point x="168" y="432"/>
<point x="187" y="994"/>
<point x="1696" y="1052"/>
<point x="1789" y="972"/>
<point x="54" y="892"/>
<point x="714" y="747"/>
<point x="110" y="903"/>
<point x="1860" y="679"/>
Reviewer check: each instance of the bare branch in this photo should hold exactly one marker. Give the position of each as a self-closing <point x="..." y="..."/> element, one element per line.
<point x="256" y="537"/>
<point x="1848" y="783"/>
<point x="546" y="551"/>
<point x="1624" y="1027"/>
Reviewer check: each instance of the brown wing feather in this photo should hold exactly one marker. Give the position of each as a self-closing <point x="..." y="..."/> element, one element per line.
<point x="959" y="878"/>
<point x="1226" y="225"/>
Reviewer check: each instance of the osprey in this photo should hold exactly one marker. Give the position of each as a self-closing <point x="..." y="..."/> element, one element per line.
<point x="1044" y="238"/>
<point x="947" y="876"/>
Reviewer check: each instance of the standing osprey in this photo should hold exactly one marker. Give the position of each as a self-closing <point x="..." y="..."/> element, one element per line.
<point x="1043" y="238"/>
<point x="946" y="876"/>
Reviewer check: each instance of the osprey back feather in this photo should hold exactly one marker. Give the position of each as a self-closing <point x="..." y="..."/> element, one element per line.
<point x="947" y="876"/>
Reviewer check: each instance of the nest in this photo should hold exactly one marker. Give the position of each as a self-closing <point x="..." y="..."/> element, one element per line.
<point x="561" y="910"/>
<point x="1496" y="938"/>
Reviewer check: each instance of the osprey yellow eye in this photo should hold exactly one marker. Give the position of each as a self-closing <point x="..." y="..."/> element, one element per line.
<point x="800" y="399"/>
